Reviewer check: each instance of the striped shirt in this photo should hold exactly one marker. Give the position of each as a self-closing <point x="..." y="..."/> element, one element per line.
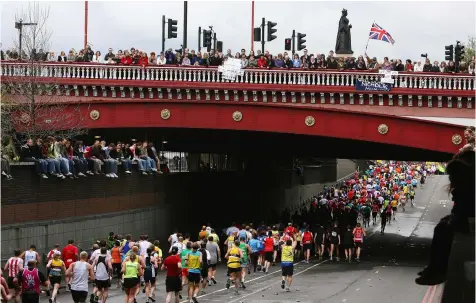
<point x="14" y="264"/>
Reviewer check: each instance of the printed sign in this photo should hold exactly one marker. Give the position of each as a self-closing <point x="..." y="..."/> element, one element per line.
<point x="230" y="69"/>
<point x="372" y="86"/>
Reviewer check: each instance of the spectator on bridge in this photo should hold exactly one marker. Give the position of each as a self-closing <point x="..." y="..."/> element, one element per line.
<point x="54" y="166"/>
<point x="152" y="59"/>
<point x="435" y="68"/>
<point x="360" y="64"/>
<point x="110" y="164"/>
<point x="279" y="62"/>
<point x="60" y="149"/>
<point x="97" y="57"/>
<point x="296" y="62"/>
<point x="262" y="61"/>
<point x="351" y="64"/>
<point x="408" y="66"/>
<point x="450" y="68"/>
<point x="51" y="57"/>
<point x="31" y="152"/>
<point x="332" y="63"/>
<point x="80" y="57"/>
<point x="418" y="67"/>
<point x="118" y="155"/>
<point x="399" y="66"/>
<point x="186" y="61"/>
<point x="127" y="59"/>
<point x="244" y="61"/>
<point x="88" y="54"/>
<point x="252" y="61"/>
<point x="427" y="66"/>
<point x="80" y="162"/>
<point x="144" y="60"/>
<point x="71" y="55"/>
<point x="161" y="60"/>
<point x="109" y="55"/>
<point x="62" y="57"/>
<point x="387" y="65"/>
<point x="5" y="167"/>
<point x="169" y="56"/>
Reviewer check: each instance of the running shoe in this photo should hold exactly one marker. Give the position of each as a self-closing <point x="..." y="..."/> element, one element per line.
<point x="214" y="281"/>
<point x="282" y="284"/>
<point x="243" y="285"/>
<point x="287" y="289"/>
<point x="227" y="284"/>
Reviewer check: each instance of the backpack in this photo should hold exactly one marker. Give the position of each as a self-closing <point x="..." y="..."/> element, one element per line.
<point x="307" y="237"/>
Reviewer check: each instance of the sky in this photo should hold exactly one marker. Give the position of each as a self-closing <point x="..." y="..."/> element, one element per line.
<point x="416" y="27"/>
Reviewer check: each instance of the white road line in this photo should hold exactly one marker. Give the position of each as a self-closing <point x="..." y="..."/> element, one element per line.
<point x="248" y="281"/>
<point x="269" y="285"/>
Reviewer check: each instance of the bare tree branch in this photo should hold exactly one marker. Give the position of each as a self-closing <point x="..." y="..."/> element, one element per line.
<point x="30" y="106"/>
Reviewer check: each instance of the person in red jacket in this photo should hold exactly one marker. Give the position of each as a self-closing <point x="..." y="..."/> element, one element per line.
<point x="143" y="61"/>
<point x="262" y="62"/>
<point x="409" y="66"/>
<point x="127" y="59"/>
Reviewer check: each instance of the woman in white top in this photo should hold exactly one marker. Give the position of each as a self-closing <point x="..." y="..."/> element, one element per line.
<point x="97" y="57"/>
<point x="185" y="61"/>
<point x="161" y="60"/>
<point x="51" y="57"/>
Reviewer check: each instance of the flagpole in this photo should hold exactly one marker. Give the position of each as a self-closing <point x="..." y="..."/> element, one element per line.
<point x="252" y="24"/>
<point x="368" y="40"/>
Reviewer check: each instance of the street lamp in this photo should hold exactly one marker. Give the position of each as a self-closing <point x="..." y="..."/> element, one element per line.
<point x="19" y="25"/>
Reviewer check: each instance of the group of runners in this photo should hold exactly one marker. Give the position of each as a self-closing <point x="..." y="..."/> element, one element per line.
<point x="341" y="213"/>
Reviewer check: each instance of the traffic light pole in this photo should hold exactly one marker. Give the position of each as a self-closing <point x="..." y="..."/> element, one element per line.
<point x="214" y="42"/>
<point x="263" y="22"/>
<point x="185" y="11"/>
<point x="199" y="38"/>
<point x="163" y="33"/>
<point x="293" y="38"/>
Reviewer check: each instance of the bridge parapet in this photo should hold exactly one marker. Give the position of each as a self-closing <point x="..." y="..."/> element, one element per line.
<point x="457" y="84"/>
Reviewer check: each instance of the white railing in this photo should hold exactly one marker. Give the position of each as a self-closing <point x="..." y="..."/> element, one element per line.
<point x="251" y="76"/>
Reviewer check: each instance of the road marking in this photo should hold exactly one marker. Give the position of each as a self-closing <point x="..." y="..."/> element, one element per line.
<point x="432" y="294"/>
<point x="269" y="285"/>
<point x="266" y="275"/>
<point x="426" y="294"/>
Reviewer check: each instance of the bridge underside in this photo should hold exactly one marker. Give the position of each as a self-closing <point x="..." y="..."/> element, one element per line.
<point x="263" y="144"/>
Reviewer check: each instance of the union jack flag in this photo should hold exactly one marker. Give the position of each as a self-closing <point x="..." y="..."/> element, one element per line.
<point x="378" y="33"/>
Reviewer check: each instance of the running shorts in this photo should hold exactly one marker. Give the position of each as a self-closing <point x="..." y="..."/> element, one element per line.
<point x="204" y="272"/>
<point x="394" y="208"/>
<point x="10" y="283"/>
<point x="194" y="278"/>
<point x="358" y="244"/>
<point x="298" y="245"/>
<point x="348" y="245"/>
<point x="130" y="282"/>
<point x="287" y="271"/>
<point x="244" y="264"/>
<point x="307" y="246"/>
<point x="213" y="266"/>
<point x="55" y="280"/>
<point x="79" y="296"/>
<point x="184" y="272"/>
<point x="232" y="269"/>
<point x="268" y="256"/>
<point x="374" y="214"/>
<point x="102" y="283"/>
<point x="148" y="278"/>
<point x="30" y="297"/>
<point x="173" y="284"/>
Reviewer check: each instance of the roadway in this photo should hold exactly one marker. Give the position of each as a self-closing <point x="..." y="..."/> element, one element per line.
<point x="386" y="272"/>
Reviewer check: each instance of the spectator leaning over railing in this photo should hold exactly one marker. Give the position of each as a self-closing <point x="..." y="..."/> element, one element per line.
<point x="62" y="57"/>
<point x="31" y="152"/>
<point x="408" y="66"/>
<point x="418" y="67"/>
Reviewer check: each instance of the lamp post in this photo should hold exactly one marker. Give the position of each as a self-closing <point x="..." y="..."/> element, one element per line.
<point x="19" y="25"/>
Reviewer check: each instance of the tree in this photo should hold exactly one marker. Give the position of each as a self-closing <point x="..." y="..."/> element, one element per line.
<point x="32" y="101"/>
<point x="469" y="49"/>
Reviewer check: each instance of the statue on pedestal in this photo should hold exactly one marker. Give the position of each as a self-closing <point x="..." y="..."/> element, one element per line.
<point x="343" y="42"/>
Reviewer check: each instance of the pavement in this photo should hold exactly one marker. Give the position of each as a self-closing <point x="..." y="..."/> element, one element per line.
<point x="386" y="273"/>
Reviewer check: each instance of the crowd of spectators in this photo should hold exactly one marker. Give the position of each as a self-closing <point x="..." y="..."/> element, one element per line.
<point x="248" y="60"/>
<point x="62" y="158"/>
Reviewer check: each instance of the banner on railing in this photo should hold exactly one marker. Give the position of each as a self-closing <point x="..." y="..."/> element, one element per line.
<point x="372" y="86"/>
<point x="230" y="69"/>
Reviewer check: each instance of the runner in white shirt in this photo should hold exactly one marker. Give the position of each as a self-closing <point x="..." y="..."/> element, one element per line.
<point x="144" y="244"/>
<point x="179" y="244"/>
<point x="173" y="238"/>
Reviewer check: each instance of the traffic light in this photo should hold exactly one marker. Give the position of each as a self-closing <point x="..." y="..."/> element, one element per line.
<point x="287" y="44"/>
<point x="207" y="38"/>
<point x="301" y="41"/>
<point x="449" y="52"/>
<point x="459" y="53"/>
<point x="220" y="46"/>
<point x="257" y="34"/>
<point x="172" y="28"/>
<point x="271" y="31"/>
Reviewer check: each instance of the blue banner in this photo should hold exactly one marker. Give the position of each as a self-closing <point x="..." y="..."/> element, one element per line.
<point x="372" y="86"/>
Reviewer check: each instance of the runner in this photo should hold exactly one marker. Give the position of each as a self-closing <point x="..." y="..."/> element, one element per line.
<point x="4" y="294"/>
<point x="383" y="221"/>
<point x="56" y="268"/>
<point x="30" y="279"/>
<point x="269" y="250"/>
<point x="193" y="260"/>
<point x="246" y="251"/>
<point x="298" y="248"/>
<point x="307" y="244"/>
<point x="13" y="267"/>
<point x="234" y="255"/>
<point x="79" y="272"/>
<point x="158" y="256"/>
<point x="375" y="210"/>
<point x="183" y="257"/>
<point x="287" y="267"/>
<point x="334" y="238"/>
<point x="131" y="270"/>
<point x="214" y="250"/>
<point x="70" y="255"/>
<point x="173" y="285"/>
<point x="126" y="246"/>
<point x="206" y="257"/>
<point x="117" y="262"/>
<point x="149" y="273"/>
<point x="255" y="245"/>
<point x="412" y="196"/>
<point x="348" y="243"/>
<point x="103" y="267"/>
<point x="359" y="234"/>
<point x="30" y="254"/>
<point x="319" y="240"/>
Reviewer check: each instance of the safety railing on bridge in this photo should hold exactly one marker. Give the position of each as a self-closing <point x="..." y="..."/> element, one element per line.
<point x="414" y="80"/>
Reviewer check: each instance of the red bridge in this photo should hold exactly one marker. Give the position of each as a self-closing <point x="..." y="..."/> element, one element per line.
<point x="264" y="110"/>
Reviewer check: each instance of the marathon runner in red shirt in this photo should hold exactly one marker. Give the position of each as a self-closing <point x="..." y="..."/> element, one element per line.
<point x="70" y="255"/>
<point x="173" y="282"/>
